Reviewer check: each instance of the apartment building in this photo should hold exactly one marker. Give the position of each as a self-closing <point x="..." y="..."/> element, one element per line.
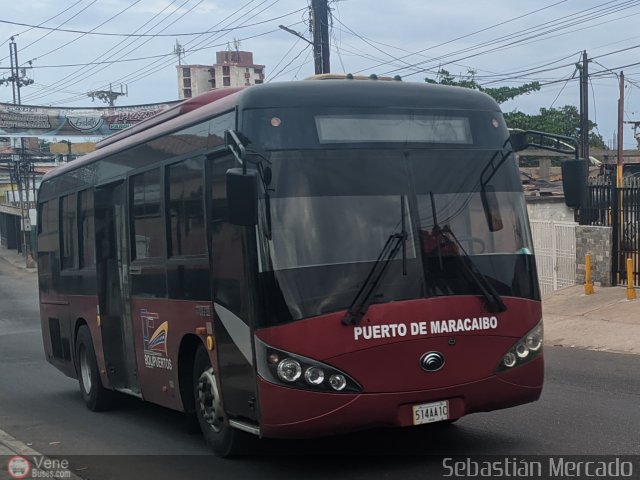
<point x="233" y="68"/>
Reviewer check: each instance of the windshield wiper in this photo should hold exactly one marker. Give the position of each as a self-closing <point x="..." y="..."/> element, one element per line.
<point x="362" y="300"/>
<point x="491" y="296"/>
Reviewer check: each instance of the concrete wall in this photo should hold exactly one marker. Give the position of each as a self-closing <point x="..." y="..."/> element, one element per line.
<point x="597" y="242"/>
<point x="549" y="208"/>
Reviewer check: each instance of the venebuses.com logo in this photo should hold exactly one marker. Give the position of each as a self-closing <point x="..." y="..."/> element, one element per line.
<point x="37" y="467"/>
<point x="18" y="467"/>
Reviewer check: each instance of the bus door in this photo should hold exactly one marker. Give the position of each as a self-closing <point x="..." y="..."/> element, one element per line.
<point x="113" y="297"/>
<point x="234" y="305"/>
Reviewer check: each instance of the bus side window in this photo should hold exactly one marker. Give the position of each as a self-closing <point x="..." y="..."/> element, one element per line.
<point x="69" y="232"/>
<point x="87" y="229"/>
<point x="145" y="213"/>
<point x="185" y="212"/>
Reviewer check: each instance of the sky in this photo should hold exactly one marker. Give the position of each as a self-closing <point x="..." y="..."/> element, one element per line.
<point x="506" y="42"/>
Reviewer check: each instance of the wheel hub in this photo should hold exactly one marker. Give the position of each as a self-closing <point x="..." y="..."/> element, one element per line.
<point x="209" y="402"/>
<point x="85" y="371"/>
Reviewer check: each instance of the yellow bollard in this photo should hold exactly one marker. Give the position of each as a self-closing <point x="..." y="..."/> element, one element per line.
<point x="588" y="283"/>
<point x="631" y="292"/>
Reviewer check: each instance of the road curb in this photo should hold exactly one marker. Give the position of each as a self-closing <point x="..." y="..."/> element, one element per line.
<point x="15" y="259"/>
<point x="10" y="447"/>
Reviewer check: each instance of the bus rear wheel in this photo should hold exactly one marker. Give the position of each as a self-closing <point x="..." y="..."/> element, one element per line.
<point x="96" y="397"/>
<point x="225" y="441"/>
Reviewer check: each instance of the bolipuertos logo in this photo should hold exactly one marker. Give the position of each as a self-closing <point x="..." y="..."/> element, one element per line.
<point x="432" y="361"/>
<point x="18" y="467"/>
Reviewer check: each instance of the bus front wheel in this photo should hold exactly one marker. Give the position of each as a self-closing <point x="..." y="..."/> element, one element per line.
<point x="225" y="441"/>
<point x="96" y="397"/>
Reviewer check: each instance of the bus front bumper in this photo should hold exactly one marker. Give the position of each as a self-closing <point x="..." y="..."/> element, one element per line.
<point x="294" y="413"/>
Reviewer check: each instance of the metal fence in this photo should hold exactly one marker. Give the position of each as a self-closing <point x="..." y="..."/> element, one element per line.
<point x="599" y="202"/>
<point x="617" y="207"/>
<point x="628" y="240"/>
<point x="554" y="245"/>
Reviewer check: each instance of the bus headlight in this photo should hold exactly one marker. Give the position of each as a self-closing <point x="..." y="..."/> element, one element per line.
<point x="295" y="371"/>
<point x="525" y="349"/>
<point x="289" y="370"/>
<point x="509" y="360"/>
<point x="337" y="382"/>
<point x="314" y="375"/>
<point x="521" y="350"/>
<point x="533" y="340"/>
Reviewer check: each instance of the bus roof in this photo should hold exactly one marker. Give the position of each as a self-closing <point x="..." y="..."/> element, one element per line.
<point x="307" y="93"/>
<point x="365" y="93"/>
<point x="173" y="112"/>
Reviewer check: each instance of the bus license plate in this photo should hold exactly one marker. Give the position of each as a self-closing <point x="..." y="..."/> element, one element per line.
<point x="430" y="412"/>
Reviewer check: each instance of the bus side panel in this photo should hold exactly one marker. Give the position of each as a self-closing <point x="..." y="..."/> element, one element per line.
<point x="57" y="336"/>
<point x="83" y="308"/>
<point x="159" y="326"/>
<point x="57" y="331"/>
<point x="59" y="324"/>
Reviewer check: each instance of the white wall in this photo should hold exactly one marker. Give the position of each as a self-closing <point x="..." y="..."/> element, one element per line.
<point x="549" y="208"/>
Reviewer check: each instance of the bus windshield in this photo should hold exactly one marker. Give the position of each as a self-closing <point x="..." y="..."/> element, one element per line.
<point x="331" y="212"/>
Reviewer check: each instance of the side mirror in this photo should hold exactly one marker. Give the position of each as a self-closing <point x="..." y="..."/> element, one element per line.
<point x="242" y="197"/>
<point x="574" y="182"/>
<point x="491" y="208"/>
<point x="518" y="141"/>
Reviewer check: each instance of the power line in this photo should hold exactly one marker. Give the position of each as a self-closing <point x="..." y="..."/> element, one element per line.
<point x="558" y="35"/>
<point x="563" y="87"/>
<point x="49" y="33"/>
<point x="530" y="33"/>
<point x="365" y="40"/>
<point x="299" y="67"/>
<point x="336" y="43"/>
<point x="95" y="69"/>
<point x="133" y="41"/>
<point x="79" y="97"/>
<point x="304" y="49"/>
<point x="42" y="23"/>
<point x="285" y="55"/>
<point x="406" y="51"/>
<point x="470" y="34"/>
<point x="133" y="35"/>
<point x="158" y="58"/>
<point x="155" y="65"/>
<point x="139" y="76"/>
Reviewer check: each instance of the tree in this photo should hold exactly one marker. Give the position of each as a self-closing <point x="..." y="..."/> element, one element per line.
<point x="561" y="121"/>
<point x="500" y="94"/>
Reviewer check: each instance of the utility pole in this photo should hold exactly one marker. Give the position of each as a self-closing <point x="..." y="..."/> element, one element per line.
<point x="620" y="152"/>
<point x="107" y="96"/>
<point x="584" y="108"/>
<point x="13" y="54"/>
<point x="583" y="67"/>
<point x="320" y="30"/>
<point x="18" y="78"/>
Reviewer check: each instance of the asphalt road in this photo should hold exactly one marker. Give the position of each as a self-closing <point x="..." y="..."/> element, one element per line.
<point x="590" y="405"/>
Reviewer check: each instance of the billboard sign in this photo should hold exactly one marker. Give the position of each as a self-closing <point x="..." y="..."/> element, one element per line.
<point x="26" y="120"/>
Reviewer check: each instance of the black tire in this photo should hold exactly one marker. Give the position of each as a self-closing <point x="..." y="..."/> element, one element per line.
<point x="96" y="397"/>
<point x="225" y="441"/>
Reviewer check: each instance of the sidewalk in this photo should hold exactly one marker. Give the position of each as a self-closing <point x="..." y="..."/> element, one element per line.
<point x="14" y="258"/>
<point x="605" y="320"/>
<point x="11" y="448"/>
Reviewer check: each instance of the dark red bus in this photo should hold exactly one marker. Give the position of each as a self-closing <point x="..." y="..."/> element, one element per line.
<point x="297" y="259"/>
